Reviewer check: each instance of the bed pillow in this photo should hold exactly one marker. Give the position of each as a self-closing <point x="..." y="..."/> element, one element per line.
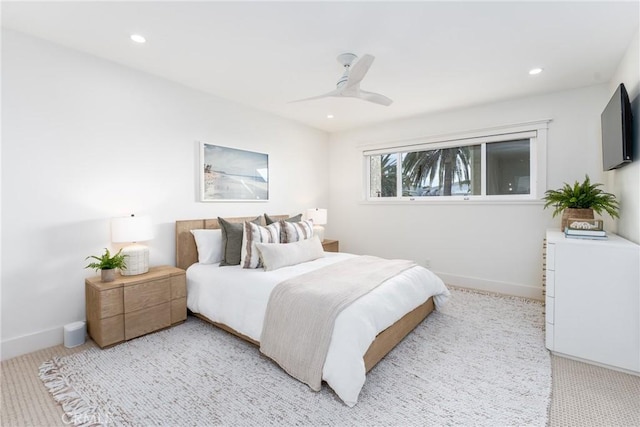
<point x="232" y="241"/>
<point x="209" y="244"/>
<point x="276" y="256"/>
<point x="268" y="220"/>
<point x="295" y="231"/>
<point x="253" y="233"/>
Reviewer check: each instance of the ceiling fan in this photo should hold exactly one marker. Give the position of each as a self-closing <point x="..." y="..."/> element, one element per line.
<point x="348" y="86"/>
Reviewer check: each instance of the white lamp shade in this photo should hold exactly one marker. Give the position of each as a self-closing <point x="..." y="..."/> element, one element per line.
<point x="131" y="229"/>
<point x="319" y="216"/>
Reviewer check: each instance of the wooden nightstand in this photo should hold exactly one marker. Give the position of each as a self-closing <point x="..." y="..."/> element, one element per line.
<point x="331" y="245"/>
<point x="132" y="306"/>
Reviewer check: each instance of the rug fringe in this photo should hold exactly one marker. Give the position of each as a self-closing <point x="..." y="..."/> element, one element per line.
<point x="77" y="411"/>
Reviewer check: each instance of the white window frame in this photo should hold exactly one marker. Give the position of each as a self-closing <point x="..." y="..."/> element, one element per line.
<point x="535" y="131"/>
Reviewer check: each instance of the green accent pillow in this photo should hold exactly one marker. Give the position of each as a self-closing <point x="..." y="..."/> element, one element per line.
<point x="268" y="220"/>
<point x="232" y="240"/>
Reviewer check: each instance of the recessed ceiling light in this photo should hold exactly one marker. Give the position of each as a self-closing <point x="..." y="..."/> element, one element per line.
<point x="138" y="38"/>
<point x="329" y="116"/>
<point x="535" y="71"/>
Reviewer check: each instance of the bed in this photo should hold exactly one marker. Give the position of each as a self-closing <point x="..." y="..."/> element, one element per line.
<point x="234" y="300"/>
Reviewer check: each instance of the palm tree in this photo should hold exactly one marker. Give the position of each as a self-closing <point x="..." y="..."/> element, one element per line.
<point x="389" y="174"/>
<point x="445" y="163"/>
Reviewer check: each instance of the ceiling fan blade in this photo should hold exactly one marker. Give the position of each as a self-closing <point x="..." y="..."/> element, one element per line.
<point x="335" y="92"/>
<point x="375" y="97"/>
<point x="358" y="71"/>
<point x="351" y="87"/>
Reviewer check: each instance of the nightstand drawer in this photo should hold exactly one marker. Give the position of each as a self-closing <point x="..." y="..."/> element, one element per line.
<point x="331" y="245"/>
<point x="178" y="310"/>
<point x="145" y="295"/>
<point x="148" y="320"/>
<point x="110" y="303"/>
<point x="178" y="286"/>
<point x="107" y="331"/>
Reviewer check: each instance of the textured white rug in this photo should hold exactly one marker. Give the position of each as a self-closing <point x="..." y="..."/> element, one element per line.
<point x="479" y="361"/>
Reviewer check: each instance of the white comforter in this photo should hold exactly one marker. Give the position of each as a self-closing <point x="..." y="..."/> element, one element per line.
<point x="238" y="298"/>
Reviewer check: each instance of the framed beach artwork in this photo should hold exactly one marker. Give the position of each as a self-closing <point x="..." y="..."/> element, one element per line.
<point x="232" y="175"/>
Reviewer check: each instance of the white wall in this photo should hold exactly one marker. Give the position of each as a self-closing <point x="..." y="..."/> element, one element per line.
<point x="625" y="182"/>
<point x="85" y="140"/>
<point x="496" y="247"/>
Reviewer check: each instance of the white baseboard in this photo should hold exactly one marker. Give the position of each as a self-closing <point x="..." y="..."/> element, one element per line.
<point x="602" y="365"/>
<point x="28" y="343"/>
<point x="504" y="288"/>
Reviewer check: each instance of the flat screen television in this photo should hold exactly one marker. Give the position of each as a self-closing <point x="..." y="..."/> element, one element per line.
<point x="617" y="124"/>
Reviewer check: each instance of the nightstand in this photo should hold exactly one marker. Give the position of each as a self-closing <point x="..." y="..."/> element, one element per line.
<point x="132" y="306"/>
<point x="331" y="245"/>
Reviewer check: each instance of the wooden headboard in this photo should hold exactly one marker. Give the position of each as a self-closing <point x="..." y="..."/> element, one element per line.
<point x="186" y="250"/>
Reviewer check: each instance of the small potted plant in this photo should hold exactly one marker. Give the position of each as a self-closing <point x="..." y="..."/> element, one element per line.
<point x="580" y="201"/>
<point x="107" y="264"/>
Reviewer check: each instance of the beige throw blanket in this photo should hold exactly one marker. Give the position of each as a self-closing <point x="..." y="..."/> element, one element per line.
<point x="301" y="312"/>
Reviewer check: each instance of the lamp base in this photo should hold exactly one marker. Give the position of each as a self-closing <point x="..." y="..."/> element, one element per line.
<point x="318" y="230"/>
<point x="137" y="260"/>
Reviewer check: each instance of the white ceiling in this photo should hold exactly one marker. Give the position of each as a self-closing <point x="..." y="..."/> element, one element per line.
<point x="430" y="56"/>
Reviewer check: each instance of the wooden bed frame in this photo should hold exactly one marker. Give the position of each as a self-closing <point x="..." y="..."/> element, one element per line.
<point x="187" y="254"/>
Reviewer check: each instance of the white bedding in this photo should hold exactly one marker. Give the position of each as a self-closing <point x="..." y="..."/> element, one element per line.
<point x="238" y="298"/>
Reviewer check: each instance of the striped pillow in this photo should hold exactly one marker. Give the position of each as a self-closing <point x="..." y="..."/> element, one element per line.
<point x="252" y="234"/>
<point x="295" y="231"/>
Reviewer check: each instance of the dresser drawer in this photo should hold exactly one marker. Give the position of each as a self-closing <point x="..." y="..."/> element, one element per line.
<point x="551" y="256"/>
<point x="550" y="309"/>
<point x="148" y="294"/>
<point x="147" y="320"/>
<point x="549" y="336"/>
<point x="551" y="283"/>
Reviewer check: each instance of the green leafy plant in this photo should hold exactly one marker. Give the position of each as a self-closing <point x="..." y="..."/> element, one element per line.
<point x="582" y="196"/>
<point x="108" y="262"/>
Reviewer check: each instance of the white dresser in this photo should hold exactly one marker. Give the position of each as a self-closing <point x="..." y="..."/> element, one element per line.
<point x="593" y="300"/>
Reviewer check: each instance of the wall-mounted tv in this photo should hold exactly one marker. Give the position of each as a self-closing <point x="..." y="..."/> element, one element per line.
<point x="617" y="124"/>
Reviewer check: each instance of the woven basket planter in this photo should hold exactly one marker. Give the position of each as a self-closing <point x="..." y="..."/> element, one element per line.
<point x="571" y="213"/>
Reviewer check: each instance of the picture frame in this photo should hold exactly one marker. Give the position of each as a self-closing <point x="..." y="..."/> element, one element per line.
<point x="233" y="175"/>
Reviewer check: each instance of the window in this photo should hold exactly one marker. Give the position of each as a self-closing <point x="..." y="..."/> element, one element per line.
<point x="383" y="173"/>
<point x="503" y="166"/>
<point x="442" y="172"/>
<point x="508" y="167"/>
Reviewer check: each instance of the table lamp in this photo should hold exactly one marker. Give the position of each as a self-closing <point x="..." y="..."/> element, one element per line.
<point x="319" y="218"/>
<point x="133" y="229"/>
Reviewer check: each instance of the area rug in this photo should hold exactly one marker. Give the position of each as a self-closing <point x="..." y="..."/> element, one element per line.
<point x="479" y="361"/>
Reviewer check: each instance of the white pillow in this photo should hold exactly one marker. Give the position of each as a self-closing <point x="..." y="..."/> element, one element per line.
<point x="209" y="244"/>
<point x="252" y="234"/>
<point x="276" y="256"/>
<point x="295" y="231"/>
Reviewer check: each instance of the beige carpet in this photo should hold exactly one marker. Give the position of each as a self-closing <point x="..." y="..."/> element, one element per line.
<point x="583" y="395"/>
<point x="588" y="395"/>
<point x="25" y="401"/>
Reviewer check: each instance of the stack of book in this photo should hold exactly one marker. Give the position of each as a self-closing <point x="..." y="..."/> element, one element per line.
<point x="572" y="233"/>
